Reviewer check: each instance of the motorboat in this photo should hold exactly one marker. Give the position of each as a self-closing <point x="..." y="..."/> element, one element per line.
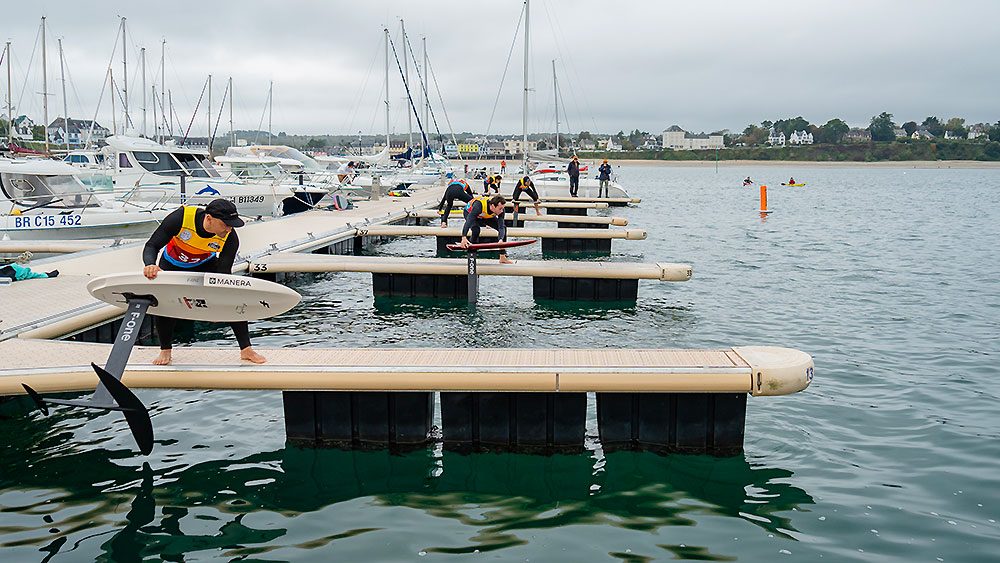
<point x="46" y="200"/>
<point x="144" y="170"/>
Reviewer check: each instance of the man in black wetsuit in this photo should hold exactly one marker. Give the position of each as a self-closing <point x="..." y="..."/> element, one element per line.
<point x="573" y="169"/>
<point x="525" y="185"/>
<point x="487" y="212"/>
<point x="457" y="189"/>
<point x="196" y="240"/>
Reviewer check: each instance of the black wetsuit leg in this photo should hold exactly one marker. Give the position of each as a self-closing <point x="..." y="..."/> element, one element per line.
<point x="165" y="325"/>
<point x="448" y="201"/>
<point x="574" y="185"/>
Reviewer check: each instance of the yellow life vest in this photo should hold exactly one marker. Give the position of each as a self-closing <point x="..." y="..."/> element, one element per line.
<point x="485" y="201"/>
<point x="187" y="247"/>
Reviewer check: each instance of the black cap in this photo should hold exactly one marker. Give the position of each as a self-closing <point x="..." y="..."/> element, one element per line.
<point x="225" y="211"/>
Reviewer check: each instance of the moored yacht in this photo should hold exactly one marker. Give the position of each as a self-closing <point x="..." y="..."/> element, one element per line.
<point x="144" y="170"/>
<point x="45" y="200"/>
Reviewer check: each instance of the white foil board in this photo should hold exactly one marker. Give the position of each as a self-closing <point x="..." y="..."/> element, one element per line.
<point x="199" y="297"/>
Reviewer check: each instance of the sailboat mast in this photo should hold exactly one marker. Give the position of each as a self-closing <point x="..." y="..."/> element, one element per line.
<point x="555" y="92"/>
<point x="163" y="86"/>
<point x="387" y="88"/>
<point x="524" y="113"/>
<point x="406" y="80"/>
<point x="114" y="120"/>
<point x="45" y="89"/>
<point x="232" y="132"/>
<point x="424" y="93"/>
<point x="270" y="109"/>
<point x="209" y="110"/>
<point x="62" y="74"/>
<point x="156" y="124"/>
<point x="142" y="56"/>
<point x="124" y="79"/>
<point x="10" y="108"/>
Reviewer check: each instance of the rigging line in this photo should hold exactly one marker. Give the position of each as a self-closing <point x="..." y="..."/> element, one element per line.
<point x="504" y="75"/>
<point x="100" y="98"/>
<point x="114" y="90"/>
<point x="451" y="129"/>
<point x="408" y="97"/>
<point x="364" y="88"/>
<point x="222" y="106"/>
<point x="24" y="85"/>
<point x="420" y="79"/>
<point x="260" y="123"/>
<point x="559" y="36"/>
<point x="430" y="108"/>
<point x="195" y="112"/>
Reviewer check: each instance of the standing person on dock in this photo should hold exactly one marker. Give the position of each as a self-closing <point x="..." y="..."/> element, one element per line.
<point x="604" y="175"/>
<point x="485" y="212"/>
<point x="196" y="240"/>
<point x="503" y="166"/>
<point x="457" y="189"/>
<point x="574" y="176"/>
<point x="525" y="185"/>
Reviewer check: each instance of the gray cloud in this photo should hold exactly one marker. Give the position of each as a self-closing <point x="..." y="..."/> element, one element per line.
<point x="622" y="65"/>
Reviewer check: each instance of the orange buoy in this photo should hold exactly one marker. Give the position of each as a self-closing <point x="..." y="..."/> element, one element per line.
<point x="763" y="200"/>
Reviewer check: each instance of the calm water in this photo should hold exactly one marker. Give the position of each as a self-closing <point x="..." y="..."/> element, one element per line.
<point x="887" y="277"/>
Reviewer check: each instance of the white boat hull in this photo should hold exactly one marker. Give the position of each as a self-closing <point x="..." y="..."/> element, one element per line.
<point x="90" y="224"/>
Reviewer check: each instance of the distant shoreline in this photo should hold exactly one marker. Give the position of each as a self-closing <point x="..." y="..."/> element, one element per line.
<point x="892" y="164"/>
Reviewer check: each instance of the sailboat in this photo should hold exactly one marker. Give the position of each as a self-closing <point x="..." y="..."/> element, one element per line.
<point x="552" y="180"/>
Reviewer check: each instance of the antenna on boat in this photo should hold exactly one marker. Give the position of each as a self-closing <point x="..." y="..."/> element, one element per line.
<point x="62" y="74"/>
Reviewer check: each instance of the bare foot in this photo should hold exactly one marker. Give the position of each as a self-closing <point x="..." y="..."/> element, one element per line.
<point x="251" y="356"/>
<point x="163" y="359"/>
<point x="444" y="224"/>
<point x="505" y="260"/>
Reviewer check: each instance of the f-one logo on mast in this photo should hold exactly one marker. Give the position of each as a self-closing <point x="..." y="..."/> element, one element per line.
<point x="131" y="322"/>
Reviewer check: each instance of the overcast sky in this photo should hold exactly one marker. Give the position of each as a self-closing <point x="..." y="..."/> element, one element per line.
<point x="621" y="65"/>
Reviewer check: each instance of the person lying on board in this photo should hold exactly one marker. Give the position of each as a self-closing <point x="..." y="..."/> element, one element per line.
<point x="525" y="185"/>
<point x="195" y="239"/>
<point x="485" y="212"/>
<point x="456" y="190"/>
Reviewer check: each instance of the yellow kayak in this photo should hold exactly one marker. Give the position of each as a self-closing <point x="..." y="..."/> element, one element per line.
<point x="793" y="185"/>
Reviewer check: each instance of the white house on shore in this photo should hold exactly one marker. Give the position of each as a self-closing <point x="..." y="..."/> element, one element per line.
<point x="776" y="138"/>
<point x="800" y="138"/>
<point x="678" y="139"/>
<point x="78" y="130"/>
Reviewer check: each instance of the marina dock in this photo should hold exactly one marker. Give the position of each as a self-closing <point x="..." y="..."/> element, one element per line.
<point x="672" y="400"/>
<point x="446" y="277"/>
<point x="661" y="400"/>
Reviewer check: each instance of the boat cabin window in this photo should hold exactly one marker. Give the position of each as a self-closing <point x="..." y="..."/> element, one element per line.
<point x="123" y="161"/>
<point x="195" y="166"/>
<point x="158" y="163"/>
<point x="57" y="192"/>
